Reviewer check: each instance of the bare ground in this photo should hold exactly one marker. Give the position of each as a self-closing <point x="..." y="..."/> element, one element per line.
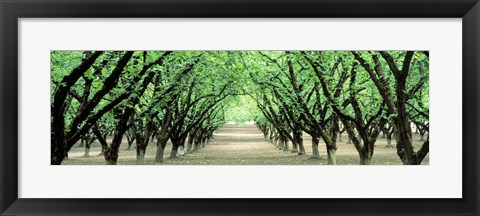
<point x="244" y="145"/>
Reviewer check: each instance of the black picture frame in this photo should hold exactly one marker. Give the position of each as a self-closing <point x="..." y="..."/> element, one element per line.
<point x="12" y="10"/>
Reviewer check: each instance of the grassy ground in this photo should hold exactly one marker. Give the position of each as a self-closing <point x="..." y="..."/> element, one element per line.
<point x="244" y="145"/>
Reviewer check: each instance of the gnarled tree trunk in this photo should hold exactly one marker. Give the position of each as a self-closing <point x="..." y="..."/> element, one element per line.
<point x="161" y="144"/>
<point x="315" y="152"/>
<point x="331" y="153"/>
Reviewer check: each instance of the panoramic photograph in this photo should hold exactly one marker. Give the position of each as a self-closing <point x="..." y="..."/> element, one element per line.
<point x="239" y="107"/>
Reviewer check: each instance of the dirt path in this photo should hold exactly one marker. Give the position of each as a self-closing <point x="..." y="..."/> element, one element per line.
<point x="244" y="145"/>
<point x="241" y="145"/>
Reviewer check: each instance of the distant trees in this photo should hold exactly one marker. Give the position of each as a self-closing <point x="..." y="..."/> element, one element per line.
<point x="184" y="96"/>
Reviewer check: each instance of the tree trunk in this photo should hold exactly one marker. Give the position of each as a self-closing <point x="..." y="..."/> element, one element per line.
<point x="159" y="154"/>
<point x="104" y="149"/>
<point x="206" y="141"/>
<point x="364" y="159"/>
<point x="88" y="144"/>
<point x="196" y="145"/>
<point x="275" y="140"/>
<point x="111" y="154"/>
<point x="271" y="136"/>
<point x="315" y="152"/>
<point x="278" y="142"/>
<point x="140" y="156"/>
<point x="181" y="146"/>
<point x="294" y="148"/>
<point x="332" y="159"/>
<point x="389" y="141"/>
<point x="175" y="145"/>
<point x="142" y="140"/>
<point x="161" y="143"/>
<point x="422" y="134"/>
<point x="81" y="142"/>
<point x="285" y="144"/>
<point x="265" y="133"/>
<point x="181" y="151"/>
<point x="403" y="131"/>
<point x="298" y="140"/>
<point x="58" y="142"/>
<point x="87" y="151"/>
<point x="130" y="142"/>
<point x="173" y="153"/>
<point x="111" y="158"/>
<point x="189" y="144"/>
<point x="162" y="137"/>
<point x="301" y="149"/>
